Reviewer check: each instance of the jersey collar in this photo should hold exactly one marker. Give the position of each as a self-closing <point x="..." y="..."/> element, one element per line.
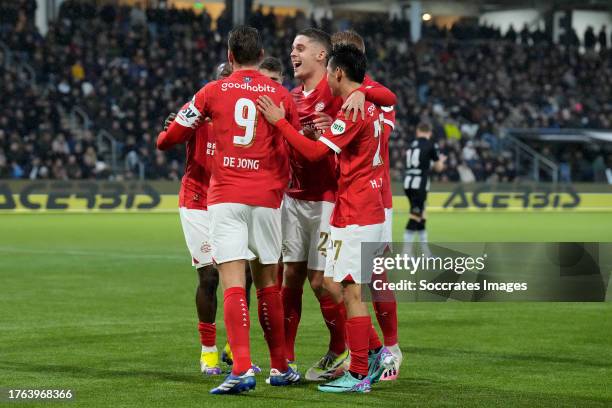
<point x="246" y="72"/>
<point x="317" y="89"/>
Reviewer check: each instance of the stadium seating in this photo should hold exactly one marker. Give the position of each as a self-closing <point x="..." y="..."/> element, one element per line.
<point x="88" y="98"/>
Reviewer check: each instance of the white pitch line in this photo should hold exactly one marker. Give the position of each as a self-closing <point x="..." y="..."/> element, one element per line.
<point x="89" y="324"/>
<point x="109" y="254"/>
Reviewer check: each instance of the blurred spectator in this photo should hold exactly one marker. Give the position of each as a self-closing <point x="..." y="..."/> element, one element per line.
<point x="511" y="34"/>
<point x="603" y="38"/>
<point x="589" y="38"/>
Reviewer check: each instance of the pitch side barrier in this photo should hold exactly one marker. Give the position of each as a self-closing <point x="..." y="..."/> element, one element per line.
<point x="162" y="196"/>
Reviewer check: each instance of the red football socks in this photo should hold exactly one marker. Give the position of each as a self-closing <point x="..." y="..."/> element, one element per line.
<point x="292" y="311"/>
<point x="208" y="334"/>
<point x="237" y="324"/>
<point x="271" y="318"/>
<point x="334" y="315"/>
<point x="357" y="329"/>
<point x="386" y="314"/>
<point x="373" y="339"/>
<point x="385" y="307"/>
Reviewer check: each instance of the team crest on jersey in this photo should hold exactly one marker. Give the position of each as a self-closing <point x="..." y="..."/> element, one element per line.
<point x="247" y="79"/>
<point x="320" y="106"/>
<point x="338" y="127"/>
<point x="371" y="110"/>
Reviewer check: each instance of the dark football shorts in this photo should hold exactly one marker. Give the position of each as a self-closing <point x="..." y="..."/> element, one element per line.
<point x="417" y="199"/>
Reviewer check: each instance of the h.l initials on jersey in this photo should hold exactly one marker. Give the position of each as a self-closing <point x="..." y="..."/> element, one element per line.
<point x="377" y="182"/>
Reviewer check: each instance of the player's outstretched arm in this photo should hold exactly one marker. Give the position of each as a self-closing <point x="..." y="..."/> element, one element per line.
<point x="275" y="115"/>
<point x="167" y="139"/>
<point x="380" y="95"/>
<point x="189" y="118"/>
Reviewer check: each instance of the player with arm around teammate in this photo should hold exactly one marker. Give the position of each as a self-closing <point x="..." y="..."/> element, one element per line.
<point x="249" y="176"/>
<point x="310" y="200"/>
<point x="358" y="213"/>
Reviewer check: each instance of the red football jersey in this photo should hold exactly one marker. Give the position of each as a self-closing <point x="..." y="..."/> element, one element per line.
<point x="250" y="163"/>
<point x="357" y="145"/>
<point x="194" y="185"/>
<point x="388" y="121"/>
<point x="313" y="181"/>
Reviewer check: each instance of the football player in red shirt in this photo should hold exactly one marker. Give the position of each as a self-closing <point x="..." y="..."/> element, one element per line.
<point x="249" y="175"/>
<point x="310" y="200"/>
<point x="358" y="215"/>
<point x="199" y="146"/>
<point x="384" y="303"/>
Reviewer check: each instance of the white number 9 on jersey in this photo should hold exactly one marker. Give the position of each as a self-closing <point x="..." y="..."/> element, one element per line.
<point x="245" y="115"/>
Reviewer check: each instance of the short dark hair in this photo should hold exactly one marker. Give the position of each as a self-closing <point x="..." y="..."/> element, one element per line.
<point x="348" y="37"/>
<point x="349" y="59"/>
<point x="424" y="127"/>
<point x="272" y="64"/>
<point x="319" y="36"/>
<point x="245" y="44"/>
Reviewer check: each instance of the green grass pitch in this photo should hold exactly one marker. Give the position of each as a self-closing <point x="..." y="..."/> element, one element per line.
<point x="103" y="304"/>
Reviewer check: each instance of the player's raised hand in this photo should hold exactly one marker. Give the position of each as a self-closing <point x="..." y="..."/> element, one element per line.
<point x="311" y="133"/>
<point x="271" y="112"/>
<point x="169" y="120"/>
<point x="355" y="103"/>
<point x="323" y="122"/>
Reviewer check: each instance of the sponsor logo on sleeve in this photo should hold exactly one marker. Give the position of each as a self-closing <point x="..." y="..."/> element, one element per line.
<point x="189" y="117"/>
<point x="338" y="127"/>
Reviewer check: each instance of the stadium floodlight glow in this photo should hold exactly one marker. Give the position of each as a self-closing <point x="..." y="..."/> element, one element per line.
<point x="426" y="16"/>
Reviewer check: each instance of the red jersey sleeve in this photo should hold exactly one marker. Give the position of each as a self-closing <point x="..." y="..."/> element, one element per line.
<point x="310" y="149"/>
<point x="341" y="132"/>
<point x="379" y="95"/>
<point x="191" y="116"/>
<point x="167" y="140"/>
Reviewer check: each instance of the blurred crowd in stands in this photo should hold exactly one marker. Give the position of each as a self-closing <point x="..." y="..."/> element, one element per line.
<point x="127" y="68"/>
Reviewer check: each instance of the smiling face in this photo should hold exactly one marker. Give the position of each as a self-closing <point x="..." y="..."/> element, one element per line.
<point x="307" y="57"/>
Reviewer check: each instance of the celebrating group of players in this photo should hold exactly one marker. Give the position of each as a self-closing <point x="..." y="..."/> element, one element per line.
<point x="304" y="174"/>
